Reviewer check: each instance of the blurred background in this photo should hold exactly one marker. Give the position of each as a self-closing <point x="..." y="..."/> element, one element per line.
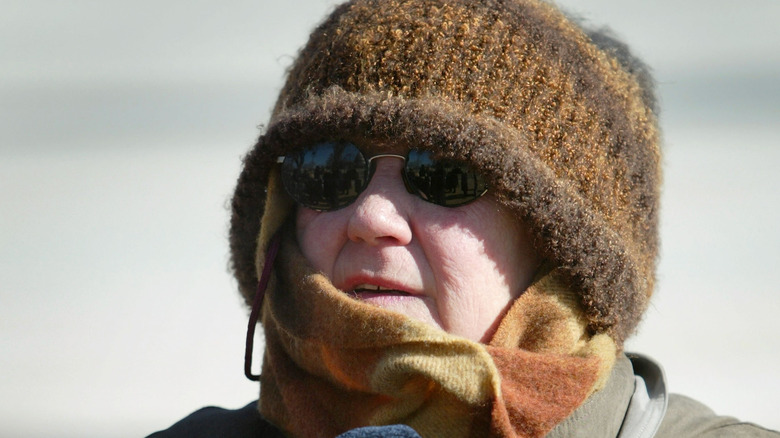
<point x="122" y="125"/>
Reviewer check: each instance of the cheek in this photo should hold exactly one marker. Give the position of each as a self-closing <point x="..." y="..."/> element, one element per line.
<point x="484" y="247"/>
<point x="455" y="254"/>
<point x="318" y="238"/>
<point x="465" y="262"/>
<point x="516" y="257"/>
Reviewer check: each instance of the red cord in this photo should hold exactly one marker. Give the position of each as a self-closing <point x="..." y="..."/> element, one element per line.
<point x="257" y="304"/>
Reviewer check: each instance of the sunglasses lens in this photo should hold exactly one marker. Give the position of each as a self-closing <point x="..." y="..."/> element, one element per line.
<point x="331" y="175"/>
<point x="443" y="182"/>
<point x="326" y="176"/>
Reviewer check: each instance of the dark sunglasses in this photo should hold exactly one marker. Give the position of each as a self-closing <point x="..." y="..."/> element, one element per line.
<point x="331" y="175"/>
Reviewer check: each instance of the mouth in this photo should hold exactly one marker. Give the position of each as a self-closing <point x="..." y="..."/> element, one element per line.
<point x="373" y="290"/>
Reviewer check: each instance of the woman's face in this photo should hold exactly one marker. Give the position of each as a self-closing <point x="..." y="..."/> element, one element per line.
<point x="454" y="268"/>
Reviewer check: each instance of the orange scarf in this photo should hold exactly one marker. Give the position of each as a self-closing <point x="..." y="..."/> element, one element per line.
<point x="333" y="363"/>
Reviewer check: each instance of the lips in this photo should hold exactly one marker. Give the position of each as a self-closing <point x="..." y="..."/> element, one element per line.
<point x="364" y="286"/>
<point x="375" y="289"/>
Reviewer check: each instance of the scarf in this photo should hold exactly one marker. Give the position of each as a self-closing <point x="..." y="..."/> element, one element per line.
<point x="333" y="363"/>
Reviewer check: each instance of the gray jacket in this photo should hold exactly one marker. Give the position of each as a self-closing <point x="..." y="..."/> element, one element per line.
<point x="635" y="404"/>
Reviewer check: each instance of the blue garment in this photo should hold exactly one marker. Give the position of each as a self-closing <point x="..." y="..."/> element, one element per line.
<point x="393" y="431"/>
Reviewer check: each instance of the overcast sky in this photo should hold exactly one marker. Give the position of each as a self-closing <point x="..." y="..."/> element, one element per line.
<point x="173" y="41"/>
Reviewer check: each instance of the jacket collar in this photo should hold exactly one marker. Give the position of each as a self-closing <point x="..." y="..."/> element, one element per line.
<point x="631" y="405"/>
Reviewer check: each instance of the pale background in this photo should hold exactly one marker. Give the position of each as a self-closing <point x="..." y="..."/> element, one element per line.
<point x="122" y="124"/>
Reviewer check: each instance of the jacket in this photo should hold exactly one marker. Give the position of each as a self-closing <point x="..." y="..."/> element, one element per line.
<point x="634" y="404"/>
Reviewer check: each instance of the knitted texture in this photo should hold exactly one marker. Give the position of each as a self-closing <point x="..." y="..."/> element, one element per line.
<point x="333" y="363"/>
<point x="562" y="131"/>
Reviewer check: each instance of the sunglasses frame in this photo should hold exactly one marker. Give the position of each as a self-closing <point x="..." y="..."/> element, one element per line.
<point x="369" y="174"/>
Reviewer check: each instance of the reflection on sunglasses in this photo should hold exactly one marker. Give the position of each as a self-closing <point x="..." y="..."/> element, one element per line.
<point x="331" y="175"/>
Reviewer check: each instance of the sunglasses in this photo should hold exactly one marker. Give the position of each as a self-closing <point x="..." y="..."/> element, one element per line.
<point x="331" y="175"/>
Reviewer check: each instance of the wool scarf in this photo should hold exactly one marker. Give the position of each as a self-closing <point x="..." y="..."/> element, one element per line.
<point x="333" y="363"/>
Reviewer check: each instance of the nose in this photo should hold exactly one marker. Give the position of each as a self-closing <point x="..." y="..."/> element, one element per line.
<point x="382" y="211"/>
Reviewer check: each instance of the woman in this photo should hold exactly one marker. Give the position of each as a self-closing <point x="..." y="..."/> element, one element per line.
<point x="451" y="224"/>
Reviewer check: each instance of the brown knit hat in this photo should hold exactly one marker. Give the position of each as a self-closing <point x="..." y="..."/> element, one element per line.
<point x="561" y="124"/>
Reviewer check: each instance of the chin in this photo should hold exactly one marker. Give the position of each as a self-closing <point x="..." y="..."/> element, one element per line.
<point x="413" y="306"/>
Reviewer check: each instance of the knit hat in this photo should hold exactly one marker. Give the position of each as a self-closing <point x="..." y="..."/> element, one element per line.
<point x="561" y="124"/>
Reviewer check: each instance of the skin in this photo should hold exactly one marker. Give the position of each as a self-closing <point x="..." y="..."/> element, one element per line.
<point x="458" y="269"/>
